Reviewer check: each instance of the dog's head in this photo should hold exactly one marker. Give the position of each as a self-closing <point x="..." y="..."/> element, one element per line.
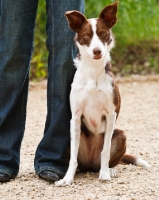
<point x="94" y="37"/>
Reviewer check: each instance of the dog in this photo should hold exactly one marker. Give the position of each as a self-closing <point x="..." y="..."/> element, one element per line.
<point x="95" y="100"/>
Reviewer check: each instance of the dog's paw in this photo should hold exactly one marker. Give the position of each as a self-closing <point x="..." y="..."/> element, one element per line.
<point x="63" y="182"/>
<point x="104" y="175"/>
<point x="112" y="172"/>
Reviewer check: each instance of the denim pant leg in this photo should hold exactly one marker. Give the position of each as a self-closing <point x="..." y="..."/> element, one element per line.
<point x="51" y="151"/>
<point x="17" y="21"/>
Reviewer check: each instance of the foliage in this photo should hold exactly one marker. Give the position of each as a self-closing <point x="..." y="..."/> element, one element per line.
<point x="137" y="20"/>
<point x="136" y="33"/>
<point x="40" y="54"/>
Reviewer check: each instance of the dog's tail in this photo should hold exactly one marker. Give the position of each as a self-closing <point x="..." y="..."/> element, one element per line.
<point x="129" y="159"/>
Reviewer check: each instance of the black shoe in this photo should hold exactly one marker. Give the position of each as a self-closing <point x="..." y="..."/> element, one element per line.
<point x="50" y="175"/>
<point x="4" y="177"/>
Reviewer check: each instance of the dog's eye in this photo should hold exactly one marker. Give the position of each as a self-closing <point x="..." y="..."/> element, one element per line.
<point x="86" y="36"/>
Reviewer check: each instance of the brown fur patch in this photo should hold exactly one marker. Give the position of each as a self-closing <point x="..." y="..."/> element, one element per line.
<point x="103" y="32"/>
<point x="85" y="34"/>
<point x="116" y="99"/>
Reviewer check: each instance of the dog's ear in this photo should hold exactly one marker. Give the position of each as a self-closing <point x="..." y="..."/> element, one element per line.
<point x="75" y="20"/>
<point x="108" y="14"/>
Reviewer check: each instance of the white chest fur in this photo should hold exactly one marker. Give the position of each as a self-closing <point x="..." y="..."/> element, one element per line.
<point x="92" y="97"/>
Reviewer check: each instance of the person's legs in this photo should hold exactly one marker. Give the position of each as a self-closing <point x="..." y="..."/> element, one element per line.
<point x="51" y="152"/>
<point x="17" y="21"/>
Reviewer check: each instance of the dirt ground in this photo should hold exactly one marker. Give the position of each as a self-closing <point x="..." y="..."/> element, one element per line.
<point x="139" y="118"/>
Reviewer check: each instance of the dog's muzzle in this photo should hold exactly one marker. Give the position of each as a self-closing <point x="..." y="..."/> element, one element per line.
<point x="97" y="53"/>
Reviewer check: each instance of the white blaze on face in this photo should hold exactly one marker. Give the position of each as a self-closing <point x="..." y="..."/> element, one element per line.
<point x="95" y="43"/>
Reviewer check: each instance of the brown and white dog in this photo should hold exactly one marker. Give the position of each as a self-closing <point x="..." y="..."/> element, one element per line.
<point x="95" y="100"/>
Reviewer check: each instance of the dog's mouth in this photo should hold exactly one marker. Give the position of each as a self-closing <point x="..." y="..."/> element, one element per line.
<point x="97" y="57"/>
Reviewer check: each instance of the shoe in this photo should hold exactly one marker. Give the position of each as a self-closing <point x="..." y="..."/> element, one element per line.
<point x="4" y="177"/>
<point x="50" y="175"/>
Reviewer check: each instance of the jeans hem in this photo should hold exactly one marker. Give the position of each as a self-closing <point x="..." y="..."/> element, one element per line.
<point x="49" y="168"/>
<point x="7" y="172"/>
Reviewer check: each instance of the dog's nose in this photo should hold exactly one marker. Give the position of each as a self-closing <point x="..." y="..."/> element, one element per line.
<point x="96" y="51"/>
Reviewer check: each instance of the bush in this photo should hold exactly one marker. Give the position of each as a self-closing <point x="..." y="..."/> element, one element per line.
<point x="38" y="68"/>
<point x="136" y="32"/>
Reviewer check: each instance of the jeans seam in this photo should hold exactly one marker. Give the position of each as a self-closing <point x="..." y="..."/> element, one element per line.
<point x="0" y="7"/>
<point x="52" y="46"/>
<point x="23" y="102"/>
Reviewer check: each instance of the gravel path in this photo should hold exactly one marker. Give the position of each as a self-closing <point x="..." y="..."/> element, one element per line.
<point x="139" y="117"/>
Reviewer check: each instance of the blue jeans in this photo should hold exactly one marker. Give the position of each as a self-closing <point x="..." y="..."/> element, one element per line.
<point x="17" y="22"/>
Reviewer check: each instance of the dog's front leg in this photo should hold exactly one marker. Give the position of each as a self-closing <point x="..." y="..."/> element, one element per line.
<point x="105" y="172"/>
<point x="75" y="140"/>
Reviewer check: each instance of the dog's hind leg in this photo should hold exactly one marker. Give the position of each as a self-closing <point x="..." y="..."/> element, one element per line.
<point x="118" y="147"/>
